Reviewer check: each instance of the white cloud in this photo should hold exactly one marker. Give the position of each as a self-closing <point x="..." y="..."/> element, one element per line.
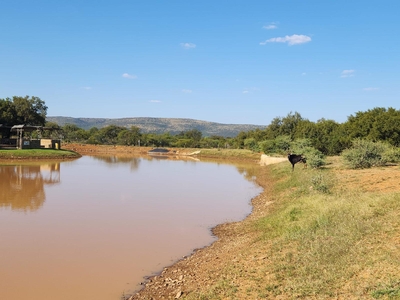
<point x="129" y="76"/>
<point x="270" y="26"/>
<point x="87" y="88"/>
<point x="347" y="73"/>
<point x="188" y="46"/>
<point x="186" y="91"/>
<point x="155" y="101"/>
<point x="371" y="89"/>
<point x="303" y="74"/>
<point x="295" y="39"/>
<point x="250" y="90"/>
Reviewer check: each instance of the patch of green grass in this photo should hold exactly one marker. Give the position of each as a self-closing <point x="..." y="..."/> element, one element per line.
<point x="37" y="153"/>
<point x="389" y="291"/>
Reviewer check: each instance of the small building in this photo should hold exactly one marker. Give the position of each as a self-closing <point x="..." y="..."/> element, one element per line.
<point x="21" y="137"/>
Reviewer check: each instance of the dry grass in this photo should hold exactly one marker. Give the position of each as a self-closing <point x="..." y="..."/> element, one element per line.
<point x="338" y="242"/>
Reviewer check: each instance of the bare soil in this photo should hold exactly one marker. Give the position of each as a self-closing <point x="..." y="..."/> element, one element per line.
<point x="201" y="271"/>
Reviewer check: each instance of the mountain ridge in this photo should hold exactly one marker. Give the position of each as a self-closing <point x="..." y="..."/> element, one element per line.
<point x="159" y="125"/>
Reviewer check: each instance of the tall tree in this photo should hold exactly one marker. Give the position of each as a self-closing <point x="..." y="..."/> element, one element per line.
<point x="23" y="110"/>
<point x="8" y="115"/>
<point x="30" y="110"/>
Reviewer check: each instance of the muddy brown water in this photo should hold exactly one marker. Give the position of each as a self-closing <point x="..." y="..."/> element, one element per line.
<point x="94" y="227"/>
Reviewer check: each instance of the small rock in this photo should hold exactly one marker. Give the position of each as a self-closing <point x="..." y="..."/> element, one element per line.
<point x="178" y="295"/>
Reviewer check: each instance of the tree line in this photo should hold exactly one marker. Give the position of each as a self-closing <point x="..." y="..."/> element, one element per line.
<point x="283" y="134"/>
<point x="327" y="136"/>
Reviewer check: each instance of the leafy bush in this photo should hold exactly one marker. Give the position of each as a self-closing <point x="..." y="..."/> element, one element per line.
<point x="300" y="144"/>
<point x="280" y="144"/>
<point x="251" y="144"/>
<point x="366" y="154"/>
<point x="314" y="157"/>
<point x="392" y="154"/>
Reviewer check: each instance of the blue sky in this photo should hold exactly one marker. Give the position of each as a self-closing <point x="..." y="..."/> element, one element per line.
<point x="240" y="62"/>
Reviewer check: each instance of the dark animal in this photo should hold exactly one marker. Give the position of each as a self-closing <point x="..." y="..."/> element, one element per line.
<point x="294" y="159"/>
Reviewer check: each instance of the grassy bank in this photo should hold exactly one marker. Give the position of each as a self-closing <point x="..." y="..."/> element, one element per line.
<point x="320" y="239"/>
<point x="38" y="154"/>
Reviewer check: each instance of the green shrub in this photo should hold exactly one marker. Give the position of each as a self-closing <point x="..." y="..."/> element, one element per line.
<point x="280" y="144"/>
<point x="251" y="144"/>
<point x="314" y="157"/>
<point x="392" y="154"/>
<point x="366" y="154"/>
<point x="320" y="184"/>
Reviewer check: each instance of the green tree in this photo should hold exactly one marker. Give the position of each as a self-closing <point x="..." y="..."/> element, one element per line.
<point x="109" y="135"/>
<point x="378" y="124"/>
<point x="387" y="127"/>
<point x="30" y="110"/>
<point x="23" y="110"/>
<point x="326" y="136"/>
<point x="129" y="137"/>
<point x="73" y="133"/>
<point x="8" y="115"/>
<point x="284" y="126"/>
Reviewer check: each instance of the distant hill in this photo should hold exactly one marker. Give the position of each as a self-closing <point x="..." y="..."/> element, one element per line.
<point x="160" y="125"/>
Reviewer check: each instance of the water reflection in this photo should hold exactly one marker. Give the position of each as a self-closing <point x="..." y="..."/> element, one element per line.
<point x="109" y="222"/>
<point x="113" y="161"/>
<point x="22" y="186"/>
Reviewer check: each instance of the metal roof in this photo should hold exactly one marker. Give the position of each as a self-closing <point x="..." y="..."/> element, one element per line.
<point x="26" y="127"/>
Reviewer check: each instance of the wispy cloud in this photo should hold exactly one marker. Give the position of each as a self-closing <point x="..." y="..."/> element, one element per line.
<point x="129" y="76"/>
<point x="303" y="74"/>
<point x="188" y="46"/>
<point x="87" y="88"/>
<point x="270" y="26"/>
<point x="250" y="90"/>
<point x="370" y="89"/>
<point x="347" y="73"/>
<point x="295" y="39"/>
<point x="155" y="101"/>
<point x="187" y="91"/>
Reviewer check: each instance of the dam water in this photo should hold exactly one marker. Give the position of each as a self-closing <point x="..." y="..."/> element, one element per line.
<point x="94" y="227"/>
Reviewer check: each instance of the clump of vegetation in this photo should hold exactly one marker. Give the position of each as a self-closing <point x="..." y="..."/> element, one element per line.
<point x="366" y="154"/>
<point x="391" y="291"/>
<point x="320" y="184"/>
<point x="279" y="145"/>
<point x="315" y="158"/>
